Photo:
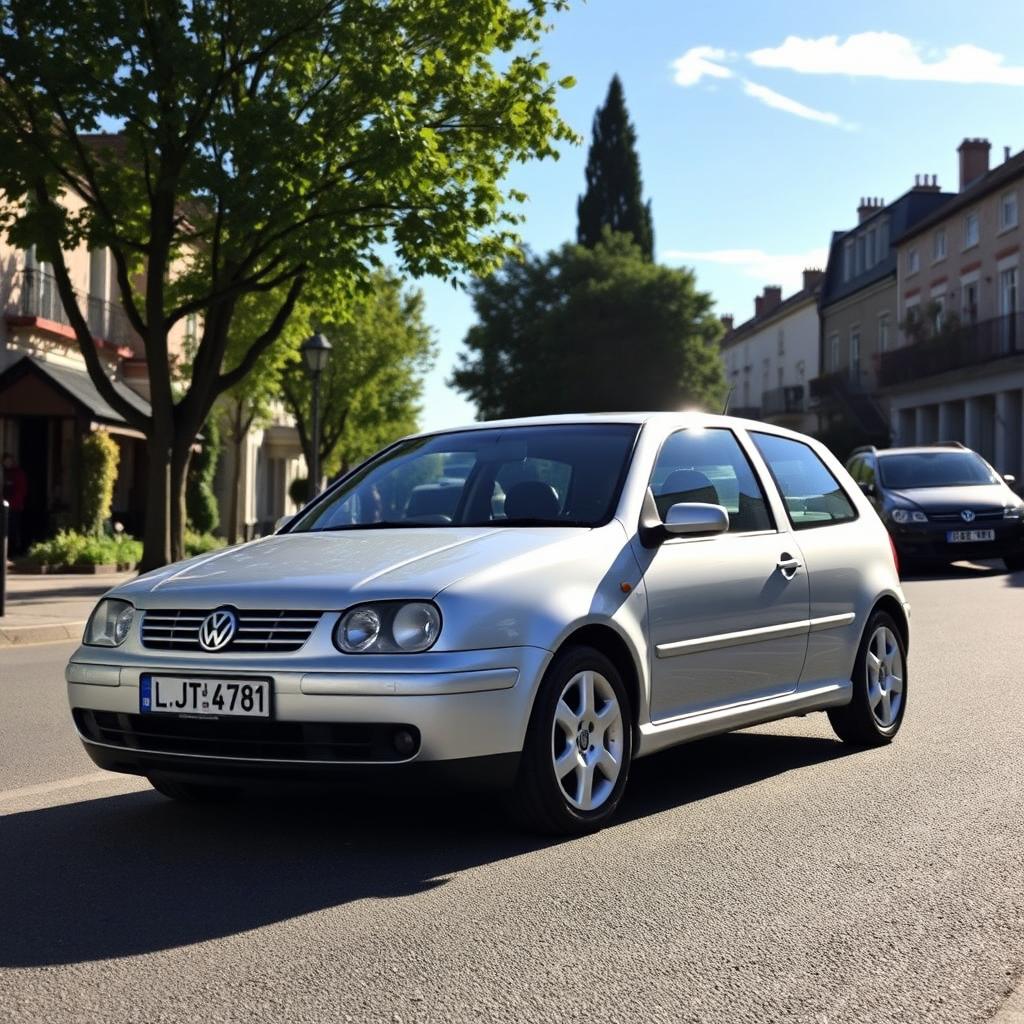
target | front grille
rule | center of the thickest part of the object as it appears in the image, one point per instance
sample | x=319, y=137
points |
x=955, y=517
x=251, y=739
x=178, y=630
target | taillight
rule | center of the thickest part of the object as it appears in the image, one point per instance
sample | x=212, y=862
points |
x=895, y=556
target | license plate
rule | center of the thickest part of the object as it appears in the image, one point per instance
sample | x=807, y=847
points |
x=966, y=536
x=180, y=695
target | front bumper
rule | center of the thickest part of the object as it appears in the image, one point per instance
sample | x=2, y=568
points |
x=927, y=541
x=467, y=709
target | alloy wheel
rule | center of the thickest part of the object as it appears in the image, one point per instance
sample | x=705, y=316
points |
x=587, y=740
x=884, y=665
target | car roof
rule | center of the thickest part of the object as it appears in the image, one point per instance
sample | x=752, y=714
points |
x=688, y=416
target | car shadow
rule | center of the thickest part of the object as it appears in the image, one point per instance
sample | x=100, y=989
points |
x=956, y=571
x=134, y=874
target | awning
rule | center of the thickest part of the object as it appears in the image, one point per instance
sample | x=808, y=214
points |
x=71, y=384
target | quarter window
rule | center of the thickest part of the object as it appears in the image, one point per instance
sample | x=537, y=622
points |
x=708, y=465
x=812, y=495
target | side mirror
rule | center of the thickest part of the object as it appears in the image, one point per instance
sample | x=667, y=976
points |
x=689, y=518
x=867, y=488
x=1010, y=478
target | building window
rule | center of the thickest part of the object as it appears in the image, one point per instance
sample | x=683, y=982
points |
x=859, y=264
x=855, y=355
x=781, y=375
x=782, y=342
x=848, y=261
x=969, y=302
x=883, y=238
x=1008, y=211
x=971, y=230
x=913, y=261
x=937, y=310
x=1008, y=291
x=939, y=245
x=912, y=316
x=871, y=258
x=833, y=352
x=883, y=332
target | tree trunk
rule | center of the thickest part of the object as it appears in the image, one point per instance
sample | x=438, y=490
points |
x=156, y=535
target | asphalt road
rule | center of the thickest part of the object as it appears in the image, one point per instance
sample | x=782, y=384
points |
x=768, y=875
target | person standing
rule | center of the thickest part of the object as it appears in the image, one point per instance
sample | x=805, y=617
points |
x=15, y=493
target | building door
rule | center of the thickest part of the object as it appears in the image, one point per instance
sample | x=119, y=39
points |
x=33, y=457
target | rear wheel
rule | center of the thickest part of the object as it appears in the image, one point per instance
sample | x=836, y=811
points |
x=874, y=715
x=192, y=792
x=578, y=746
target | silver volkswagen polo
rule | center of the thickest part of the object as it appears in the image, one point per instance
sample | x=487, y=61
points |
x=527, y=605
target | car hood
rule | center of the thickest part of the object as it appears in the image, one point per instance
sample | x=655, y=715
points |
x=953, y=499
x=322, y=571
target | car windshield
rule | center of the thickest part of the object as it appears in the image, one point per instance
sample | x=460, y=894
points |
x=933, y=469
x=565, y=475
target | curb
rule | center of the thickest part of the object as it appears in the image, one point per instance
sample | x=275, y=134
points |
x=51, y=632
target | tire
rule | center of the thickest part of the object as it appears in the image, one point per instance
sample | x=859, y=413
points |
x=192, y=792
x=1014, y=563
x=875, y=714
x=581, y=689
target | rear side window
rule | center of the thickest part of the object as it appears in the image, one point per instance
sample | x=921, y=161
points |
x=812, y=494
x=709, y=466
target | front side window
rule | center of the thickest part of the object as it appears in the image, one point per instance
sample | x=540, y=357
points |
x=933, y=469
x=565, y=475
x=708, y=465
x=812, y=495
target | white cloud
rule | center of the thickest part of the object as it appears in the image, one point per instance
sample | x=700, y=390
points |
x=785, y=269
x=771, y=98
x=888, y=55
x=699, y=62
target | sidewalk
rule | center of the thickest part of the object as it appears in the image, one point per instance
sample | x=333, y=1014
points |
x=41, y=609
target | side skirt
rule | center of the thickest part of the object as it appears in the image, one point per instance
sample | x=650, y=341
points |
x=656, y=736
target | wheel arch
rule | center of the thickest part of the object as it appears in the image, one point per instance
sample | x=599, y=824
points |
x=889, y=604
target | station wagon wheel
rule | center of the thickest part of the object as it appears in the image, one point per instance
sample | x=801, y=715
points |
x=575, y=762
x=875, y=712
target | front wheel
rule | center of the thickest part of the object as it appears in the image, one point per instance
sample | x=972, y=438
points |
x=874, y=715
x=578, y=746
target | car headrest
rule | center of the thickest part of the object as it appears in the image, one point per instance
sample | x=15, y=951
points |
x=531, y=499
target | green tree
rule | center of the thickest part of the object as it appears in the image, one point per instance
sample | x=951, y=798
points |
x=200, y=501
x=100, y=456
x=258, y=144
x=370, y=393
x=587, y=330
x=614, y=195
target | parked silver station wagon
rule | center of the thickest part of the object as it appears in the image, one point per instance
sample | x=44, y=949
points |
x=528, y=605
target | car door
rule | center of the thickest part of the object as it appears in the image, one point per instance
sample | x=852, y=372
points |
x=727, y=614
x=835, y=549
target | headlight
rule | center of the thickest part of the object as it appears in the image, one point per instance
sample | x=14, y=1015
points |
x=1013, y=512
x=388, y=627
x=109, y=624
x=903, y=515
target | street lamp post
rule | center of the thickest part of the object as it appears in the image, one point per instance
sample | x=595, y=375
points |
x=316, y=350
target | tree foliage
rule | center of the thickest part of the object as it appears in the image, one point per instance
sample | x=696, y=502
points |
x=381, y=348
x=200, y=501
x=100, y=456
x=258, y=145
x=586, y=330
x=614, y=194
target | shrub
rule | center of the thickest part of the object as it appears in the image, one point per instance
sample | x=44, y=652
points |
x=200, y=501
x=70, y=548
x=201, y=543
x=100, y=456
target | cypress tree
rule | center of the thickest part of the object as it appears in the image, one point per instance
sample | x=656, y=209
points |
x=614, y=195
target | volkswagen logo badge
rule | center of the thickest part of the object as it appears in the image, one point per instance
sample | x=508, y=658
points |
x=217, y=629
x=967, y=516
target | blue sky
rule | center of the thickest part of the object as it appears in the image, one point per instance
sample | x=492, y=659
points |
x=770, y=136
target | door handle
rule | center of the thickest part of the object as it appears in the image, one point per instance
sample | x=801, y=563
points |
x=788, y=565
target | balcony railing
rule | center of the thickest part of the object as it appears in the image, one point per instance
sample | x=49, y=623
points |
x=779, y=401
x=37, y=296
x=955, y=349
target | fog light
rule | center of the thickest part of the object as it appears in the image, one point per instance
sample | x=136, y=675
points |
x=404, y=742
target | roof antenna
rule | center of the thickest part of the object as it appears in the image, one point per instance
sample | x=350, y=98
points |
x=728, y=397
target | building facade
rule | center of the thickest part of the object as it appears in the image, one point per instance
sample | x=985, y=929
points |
x=957, y=371
x=769, y=358
x=859, y=316
x=48, y=402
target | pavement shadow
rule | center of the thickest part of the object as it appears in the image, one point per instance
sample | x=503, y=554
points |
x=956, y=571
x=135, y=874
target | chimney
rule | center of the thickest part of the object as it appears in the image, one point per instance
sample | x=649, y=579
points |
x=973, y=160
x=772, y=297
x=727, y=321
x=812, y=278
x=868, y=206
x=926, y=183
